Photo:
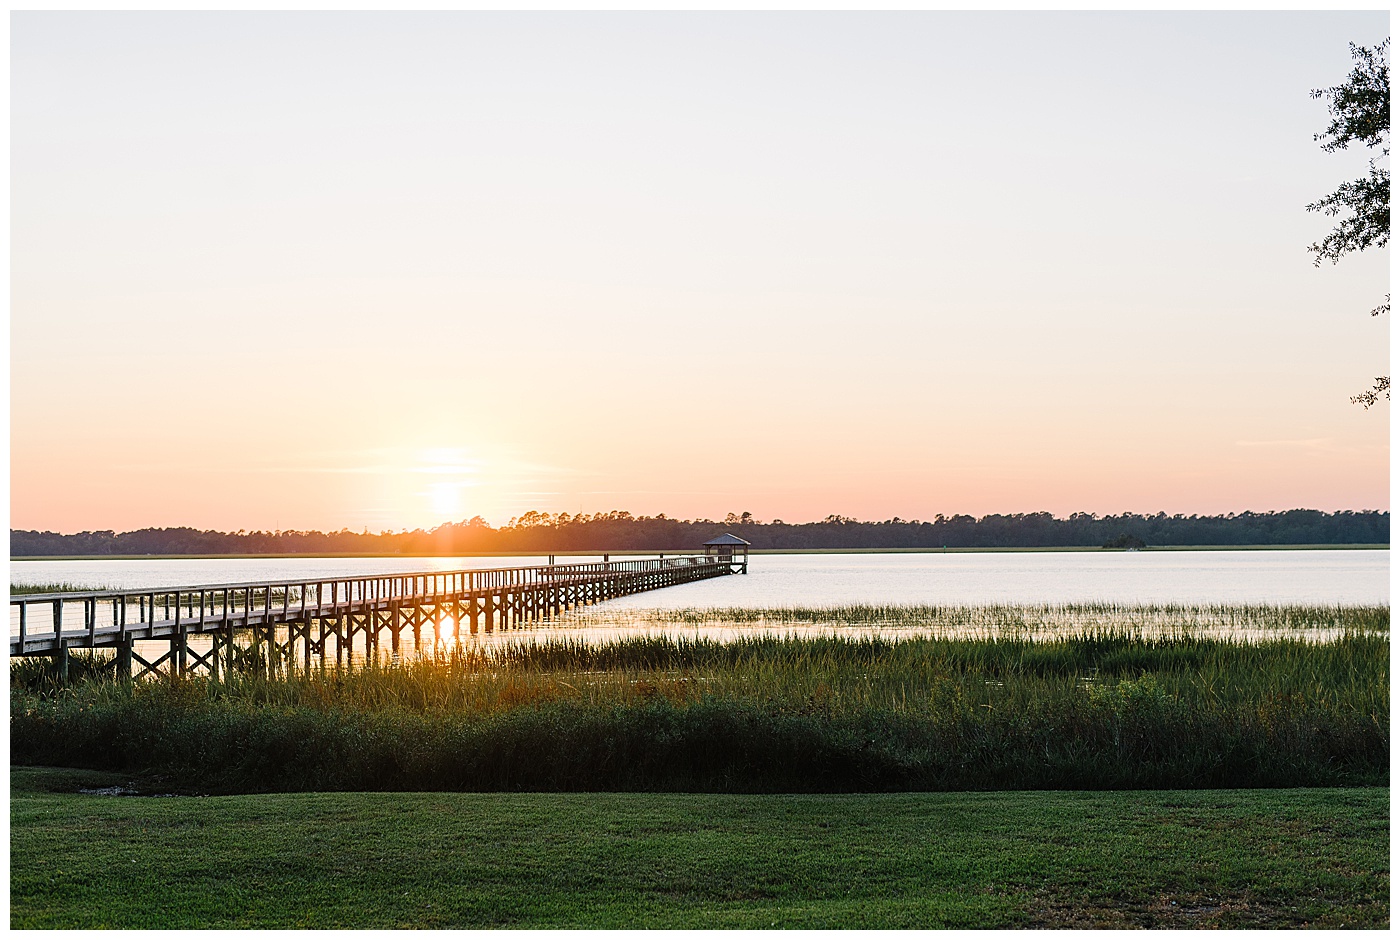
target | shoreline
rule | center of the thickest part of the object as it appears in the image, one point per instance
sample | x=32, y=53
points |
x=1343, y=546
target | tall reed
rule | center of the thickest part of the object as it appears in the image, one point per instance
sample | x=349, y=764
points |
x=1032, y=620
x=1089, y=708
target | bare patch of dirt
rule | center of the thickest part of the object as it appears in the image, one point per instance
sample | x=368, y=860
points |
x=1179, y=912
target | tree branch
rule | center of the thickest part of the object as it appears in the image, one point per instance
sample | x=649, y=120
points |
x=1372, y=395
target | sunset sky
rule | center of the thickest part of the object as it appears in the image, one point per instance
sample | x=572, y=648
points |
x=383, y=270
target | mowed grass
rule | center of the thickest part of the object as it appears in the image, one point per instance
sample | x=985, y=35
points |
x=1237, y=858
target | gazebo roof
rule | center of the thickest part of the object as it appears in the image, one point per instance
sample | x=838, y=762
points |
x=726, y=539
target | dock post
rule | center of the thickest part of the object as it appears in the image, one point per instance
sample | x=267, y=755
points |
x=254, y=658
x=274, y=652
x=124, y=658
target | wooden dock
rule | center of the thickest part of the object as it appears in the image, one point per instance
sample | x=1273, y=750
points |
x=272, y=626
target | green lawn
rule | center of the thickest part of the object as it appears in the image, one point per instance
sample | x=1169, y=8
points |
x=1227, y=858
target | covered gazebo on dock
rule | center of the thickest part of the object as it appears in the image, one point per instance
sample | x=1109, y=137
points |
x=729, y=549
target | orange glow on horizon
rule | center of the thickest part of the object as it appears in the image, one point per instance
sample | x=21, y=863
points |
x=772, y=272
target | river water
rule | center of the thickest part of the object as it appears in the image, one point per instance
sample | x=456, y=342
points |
x=1195, y=585
x=955, y=578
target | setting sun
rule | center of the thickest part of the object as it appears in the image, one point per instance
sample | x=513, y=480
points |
x=446, y=498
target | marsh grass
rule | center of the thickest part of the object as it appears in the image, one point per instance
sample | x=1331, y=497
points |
x=1091, y=707
x=277, y=595
x=1035, y=621
x=39, y=675
x=52, y=587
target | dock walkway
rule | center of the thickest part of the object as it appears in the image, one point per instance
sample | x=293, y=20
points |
x=281, y=623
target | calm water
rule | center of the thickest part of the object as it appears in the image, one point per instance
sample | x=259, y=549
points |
x=779, y=581
x=1197, y=577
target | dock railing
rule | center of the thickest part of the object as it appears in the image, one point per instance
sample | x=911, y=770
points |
x=475, y=599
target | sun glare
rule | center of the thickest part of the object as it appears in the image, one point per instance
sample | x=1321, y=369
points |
x=446, y=498
x=444, y=630
x=455, y=470
x=442, y=461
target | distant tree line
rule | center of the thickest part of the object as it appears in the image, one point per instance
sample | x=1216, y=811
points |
x=621, y=531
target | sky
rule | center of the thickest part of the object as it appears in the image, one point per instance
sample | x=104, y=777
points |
x=314, y=271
